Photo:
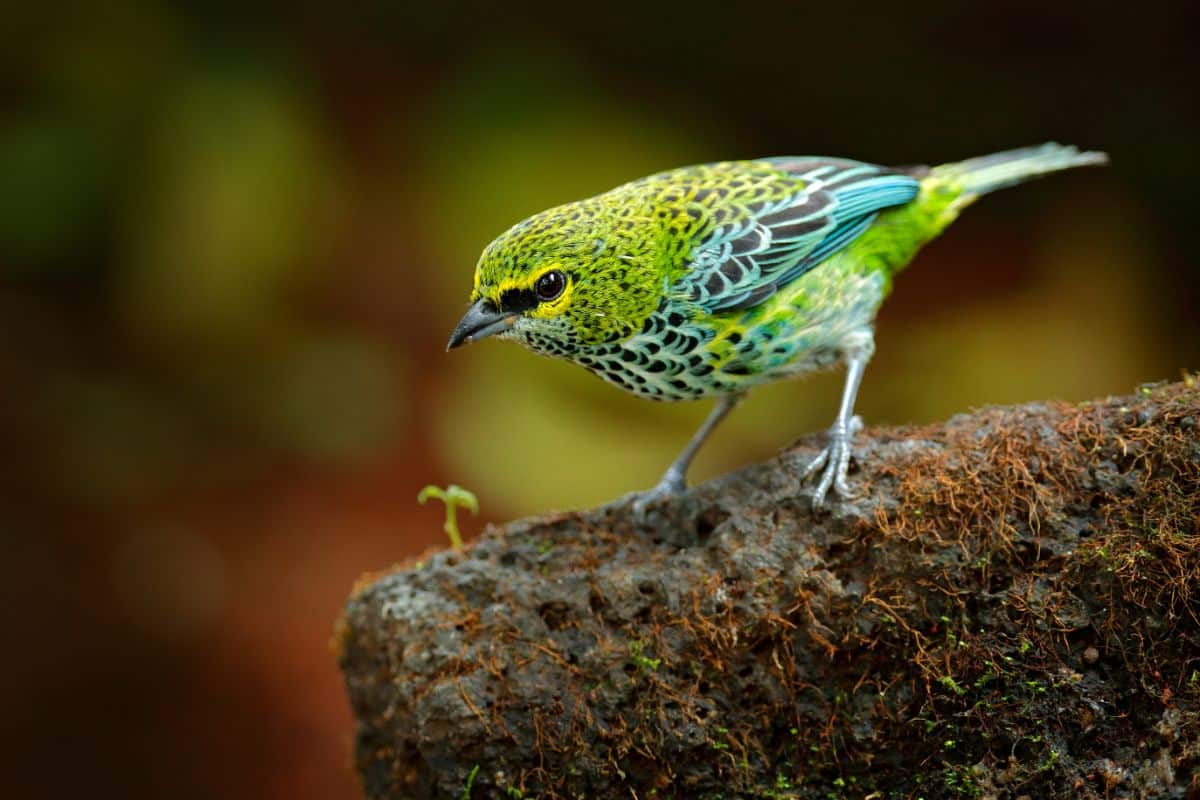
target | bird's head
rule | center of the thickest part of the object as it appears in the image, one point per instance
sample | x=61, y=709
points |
x=563, y=279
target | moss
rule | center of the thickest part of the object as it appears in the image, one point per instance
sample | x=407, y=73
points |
x=639, y=659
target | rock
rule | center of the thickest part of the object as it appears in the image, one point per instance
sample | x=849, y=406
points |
x=925, y=638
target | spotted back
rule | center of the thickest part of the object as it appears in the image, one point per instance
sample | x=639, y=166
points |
x=778, y=239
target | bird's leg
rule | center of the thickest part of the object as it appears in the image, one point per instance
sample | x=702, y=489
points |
x=674, y=480
x=835, y=458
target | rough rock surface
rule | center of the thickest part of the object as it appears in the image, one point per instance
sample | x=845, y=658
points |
x=1010, y=609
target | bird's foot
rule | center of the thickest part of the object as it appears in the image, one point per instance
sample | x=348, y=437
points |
x=671, y=485
x=835, y=459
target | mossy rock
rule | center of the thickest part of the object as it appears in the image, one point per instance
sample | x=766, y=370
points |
x=1010, y=608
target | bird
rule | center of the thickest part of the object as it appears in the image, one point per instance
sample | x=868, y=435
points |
x=709, y=280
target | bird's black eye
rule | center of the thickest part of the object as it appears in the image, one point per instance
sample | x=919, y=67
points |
x=551, y=285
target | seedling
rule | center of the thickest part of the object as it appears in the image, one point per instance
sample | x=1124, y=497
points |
x=453, y=497
x=466, y=792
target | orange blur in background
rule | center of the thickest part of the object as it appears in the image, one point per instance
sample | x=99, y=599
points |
x=233, y=245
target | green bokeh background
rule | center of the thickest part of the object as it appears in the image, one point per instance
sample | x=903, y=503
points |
x=233, y=243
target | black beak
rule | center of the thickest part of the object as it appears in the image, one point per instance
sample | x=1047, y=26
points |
x=480, y=321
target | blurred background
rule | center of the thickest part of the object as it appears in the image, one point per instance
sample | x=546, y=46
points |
x=233, y=245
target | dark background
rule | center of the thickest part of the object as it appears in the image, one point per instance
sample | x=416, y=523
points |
x=233, y=244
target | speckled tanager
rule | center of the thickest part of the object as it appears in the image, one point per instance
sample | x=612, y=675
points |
x=708, y=280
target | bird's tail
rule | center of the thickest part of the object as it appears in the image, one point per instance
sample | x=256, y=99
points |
x=948, y=189
x=978, y=176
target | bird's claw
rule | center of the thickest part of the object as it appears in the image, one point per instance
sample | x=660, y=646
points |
x=835, y=459
x=667, y=488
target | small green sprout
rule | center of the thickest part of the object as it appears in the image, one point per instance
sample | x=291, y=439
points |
x=453, y=496
x=466, y=792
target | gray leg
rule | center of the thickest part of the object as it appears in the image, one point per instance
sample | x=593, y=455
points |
x=835, y=458
x=674, y=480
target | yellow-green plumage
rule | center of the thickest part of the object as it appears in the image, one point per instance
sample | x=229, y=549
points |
x=709, y=280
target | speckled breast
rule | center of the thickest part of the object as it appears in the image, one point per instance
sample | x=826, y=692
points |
x=667, y=360
x=676, y=357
